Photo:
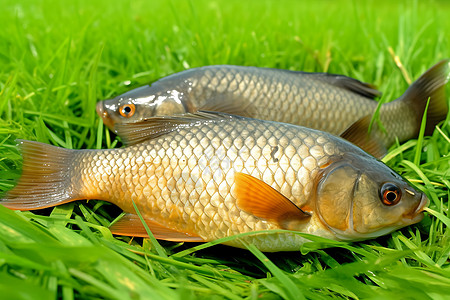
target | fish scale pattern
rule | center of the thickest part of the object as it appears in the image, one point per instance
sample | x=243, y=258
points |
x=397, y=130
x=325, y=102
x=185, y=178
x=278, y=95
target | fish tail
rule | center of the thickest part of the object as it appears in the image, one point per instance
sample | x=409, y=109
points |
x=431, y=85
x=45, y=179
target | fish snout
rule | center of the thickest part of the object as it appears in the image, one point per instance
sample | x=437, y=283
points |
x=422, y=204
x=101, y=111
x=416, y=214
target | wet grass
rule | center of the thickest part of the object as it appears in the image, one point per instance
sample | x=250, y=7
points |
x=58, y=58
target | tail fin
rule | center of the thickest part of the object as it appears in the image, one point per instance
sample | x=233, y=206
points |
x=430, y=85
x=45, y=178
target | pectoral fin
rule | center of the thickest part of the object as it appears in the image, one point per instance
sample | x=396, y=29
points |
x=230, y=105
x=261, y=200
x=131, y=225
x=154, y=127
x=358, y=134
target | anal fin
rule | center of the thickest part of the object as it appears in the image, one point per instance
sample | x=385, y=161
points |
x=131, y=225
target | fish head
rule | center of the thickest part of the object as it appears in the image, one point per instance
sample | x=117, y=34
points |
x=139, y=104
x=360, y=198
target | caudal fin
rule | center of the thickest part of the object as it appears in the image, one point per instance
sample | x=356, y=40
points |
x=45, y=179
x=430, y=85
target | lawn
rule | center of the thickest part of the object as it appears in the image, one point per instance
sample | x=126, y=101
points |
x=58, y=58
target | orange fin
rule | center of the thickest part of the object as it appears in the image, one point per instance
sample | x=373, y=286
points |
x=260, y=199
x=45, y=179
x=131, y=225
x=358, y=134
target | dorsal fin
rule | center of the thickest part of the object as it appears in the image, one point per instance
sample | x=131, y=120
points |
x=358, y=134
x=351, y=84
x=137, y=132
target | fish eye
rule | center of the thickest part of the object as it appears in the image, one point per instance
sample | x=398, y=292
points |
x=127, y=110
x=390, y=194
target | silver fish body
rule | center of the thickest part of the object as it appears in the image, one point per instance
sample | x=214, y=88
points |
x=327, y=102
x=270, y=94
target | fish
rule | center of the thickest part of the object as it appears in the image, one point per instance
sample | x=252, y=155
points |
x=336, y=104
x=206, y=176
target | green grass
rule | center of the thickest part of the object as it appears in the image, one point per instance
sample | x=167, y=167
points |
x=58, y=58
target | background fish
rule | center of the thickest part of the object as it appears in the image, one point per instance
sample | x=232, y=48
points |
x=206, y=176
x=333, y=103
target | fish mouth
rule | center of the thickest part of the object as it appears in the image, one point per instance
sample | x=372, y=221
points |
x=101, y=111
x=417, y=213
x=422, y=204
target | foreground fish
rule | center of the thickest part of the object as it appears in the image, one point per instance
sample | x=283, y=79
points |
x=333, y=103
x=205, y=176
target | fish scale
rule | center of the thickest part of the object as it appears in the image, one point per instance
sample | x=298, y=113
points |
x=193, y=169
x=280, y=85
x=333, y=103
x=206, y=176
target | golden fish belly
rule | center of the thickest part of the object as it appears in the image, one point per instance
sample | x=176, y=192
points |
x=185, y=180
